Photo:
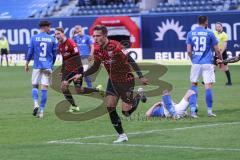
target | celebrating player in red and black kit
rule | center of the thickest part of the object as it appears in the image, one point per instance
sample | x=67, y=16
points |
x=71, y=68
x=121, y=80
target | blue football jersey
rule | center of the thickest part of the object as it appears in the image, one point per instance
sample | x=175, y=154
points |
x=84, y=44
x=202, y=42
x=43, y=49
x=158, y=111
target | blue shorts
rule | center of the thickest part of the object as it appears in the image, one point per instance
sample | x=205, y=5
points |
x=158, y=111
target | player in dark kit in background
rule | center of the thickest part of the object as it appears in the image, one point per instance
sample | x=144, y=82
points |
x=71, y=68
x=121, y=80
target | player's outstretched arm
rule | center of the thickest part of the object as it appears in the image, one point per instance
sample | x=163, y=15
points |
x=134, y=65
x=189, y=50
x=26, y=67
x=94, y=68
x=136, y=68
x=29, y=55
x=229, y=60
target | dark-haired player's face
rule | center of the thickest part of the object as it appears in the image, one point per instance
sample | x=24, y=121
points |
x=59, y=35
x=99, y=37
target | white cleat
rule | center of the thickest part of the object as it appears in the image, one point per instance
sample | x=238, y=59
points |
x=212, y=115
x=40, y=115
x=99, y=87
x=100, y=90
x=121, y=138
x=176, y=117
x=193, y=115
x=142, y=95
x=73, y=109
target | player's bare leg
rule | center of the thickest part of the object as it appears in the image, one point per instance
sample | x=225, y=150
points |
x=86, y=90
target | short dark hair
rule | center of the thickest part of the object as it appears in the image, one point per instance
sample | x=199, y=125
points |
x=60, y=29
x=44, y=24
x=101, y=28
x=202, y=19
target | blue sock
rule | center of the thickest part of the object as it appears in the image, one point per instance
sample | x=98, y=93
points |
x=43, y=100
x=193, y=103
x=88, y=81
x=168, y=104
x=195, y=89
x=209, y=98
x=35, y=95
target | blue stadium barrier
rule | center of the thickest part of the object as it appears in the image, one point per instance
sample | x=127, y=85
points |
x=162, y=35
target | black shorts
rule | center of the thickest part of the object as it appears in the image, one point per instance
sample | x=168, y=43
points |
x=77, y=83
x=4, y=51
x=122, y=90
x=224, y=56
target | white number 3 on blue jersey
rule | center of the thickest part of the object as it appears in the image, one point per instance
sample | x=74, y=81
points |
x=43, y=45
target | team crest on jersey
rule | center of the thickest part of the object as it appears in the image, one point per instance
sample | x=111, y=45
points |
x=83, y=41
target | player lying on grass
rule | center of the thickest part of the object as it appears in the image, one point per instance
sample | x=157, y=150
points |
x=71, y=68
x=167, y=108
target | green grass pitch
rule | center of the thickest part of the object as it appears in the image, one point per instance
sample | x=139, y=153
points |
x=24, y=137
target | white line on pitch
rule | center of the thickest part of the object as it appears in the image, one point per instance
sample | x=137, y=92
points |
x=147, y=132
x=153, y=146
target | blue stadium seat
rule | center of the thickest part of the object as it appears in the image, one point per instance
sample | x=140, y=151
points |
x=26, y=8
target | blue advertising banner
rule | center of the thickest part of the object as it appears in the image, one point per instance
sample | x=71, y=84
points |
x=165, y=34
x=18, y=32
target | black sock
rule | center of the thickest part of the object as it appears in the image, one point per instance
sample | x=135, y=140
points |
x=228, y=76
x=68, y=96
x=135, y=103
x=116, y=121
x=89, y=90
